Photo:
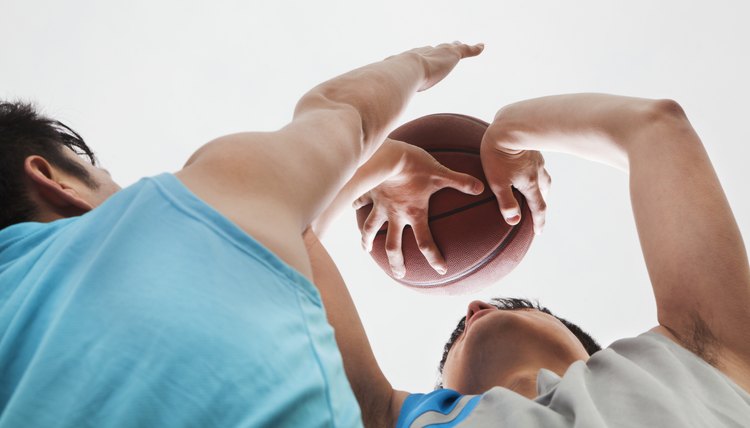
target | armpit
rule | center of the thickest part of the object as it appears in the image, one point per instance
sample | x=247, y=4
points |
x=696, y=337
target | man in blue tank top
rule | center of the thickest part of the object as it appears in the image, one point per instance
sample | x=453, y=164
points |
x=185, y=299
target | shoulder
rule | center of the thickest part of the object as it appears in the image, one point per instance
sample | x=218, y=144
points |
x=693, y=353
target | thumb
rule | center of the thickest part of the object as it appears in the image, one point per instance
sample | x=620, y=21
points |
x=508, y=205
x=362, y=201
x=462, y=182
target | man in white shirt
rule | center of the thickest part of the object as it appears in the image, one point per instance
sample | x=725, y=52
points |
x=524, y=367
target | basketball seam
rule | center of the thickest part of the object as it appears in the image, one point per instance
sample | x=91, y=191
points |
x=437, y=284
x=478, y=266
x=510, y=237
x=450, y=213
x=471, y=152
x=463, y=116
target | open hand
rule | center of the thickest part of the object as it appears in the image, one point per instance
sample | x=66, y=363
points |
x=403, y=199
x=439, y=60
x=523, y=169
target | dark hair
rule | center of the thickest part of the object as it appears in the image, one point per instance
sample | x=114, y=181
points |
x=510, y=304
x=23, y=133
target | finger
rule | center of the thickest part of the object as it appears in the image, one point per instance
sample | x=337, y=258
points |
x=545, y=182
x=467, y=51
x=538, y=208
x=462, y=182
x=428, y=247
x=370, y=228
x=508, y=205
x=362, y=201
x=393, y=249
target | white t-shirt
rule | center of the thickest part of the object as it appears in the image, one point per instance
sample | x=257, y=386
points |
x=646, y=381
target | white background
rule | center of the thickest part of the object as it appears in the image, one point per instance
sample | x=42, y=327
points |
x=146, y=83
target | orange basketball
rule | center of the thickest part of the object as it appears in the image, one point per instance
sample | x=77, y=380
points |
x=479, y=247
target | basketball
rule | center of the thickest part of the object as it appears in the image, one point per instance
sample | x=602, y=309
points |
x=479, y=247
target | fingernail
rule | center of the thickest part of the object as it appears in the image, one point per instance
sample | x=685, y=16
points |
x=441, y=270
x=513, y=219
x=478, y=188
x=398, y=274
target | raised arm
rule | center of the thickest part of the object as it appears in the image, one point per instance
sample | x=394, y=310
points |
x=694, y=253
x=273, y=184
x=398, y=171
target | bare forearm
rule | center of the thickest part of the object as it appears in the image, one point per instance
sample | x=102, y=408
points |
x=377, y=92
x=597, y=127
x=379, y=167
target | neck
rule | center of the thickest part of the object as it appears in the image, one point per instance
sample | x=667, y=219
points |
x=524, y=383
x=523, y=380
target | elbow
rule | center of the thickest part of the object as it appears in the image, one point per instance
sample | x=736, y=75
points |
x=651, y=125
x=663, y=121
x=664, y=111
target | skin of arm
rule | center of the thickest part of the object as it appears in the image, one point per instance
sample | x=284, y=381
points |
x=651, y=140
x=398, y=181
x=382, y=164
x=396, y=169
x=272, y=185
x=379, y=402
x=691, y=243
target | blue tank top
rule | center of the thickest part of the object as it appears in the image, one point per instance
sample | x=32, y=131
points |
x=156, y=310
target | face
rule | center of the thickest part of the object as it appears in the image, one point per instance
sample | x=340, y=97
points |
x=106, y=186
x=499, y=347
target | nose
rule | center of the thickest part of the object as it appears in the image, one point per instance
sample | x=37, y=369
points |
x=476, y=306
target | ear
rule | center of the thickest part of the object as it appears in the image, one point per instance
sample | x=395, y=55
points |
x=52, y=188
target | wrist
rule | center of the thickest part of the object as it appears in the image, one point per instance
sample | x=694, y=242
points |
x=501, y=138
x=386, y=162
x=507, y=149
x=390, y=159
x=379, y=167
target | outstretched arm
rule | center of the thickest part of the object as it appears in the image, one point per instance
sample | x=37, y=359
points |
x=694, y=253
x=397, y=169
x=273, y=184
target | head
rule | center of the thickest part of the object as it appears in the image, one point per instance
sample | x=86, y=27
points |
x=47, y=171
x=505, y=342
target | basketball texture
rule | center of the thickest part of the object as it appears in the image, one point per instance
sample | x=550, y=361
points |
x=479, y=247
